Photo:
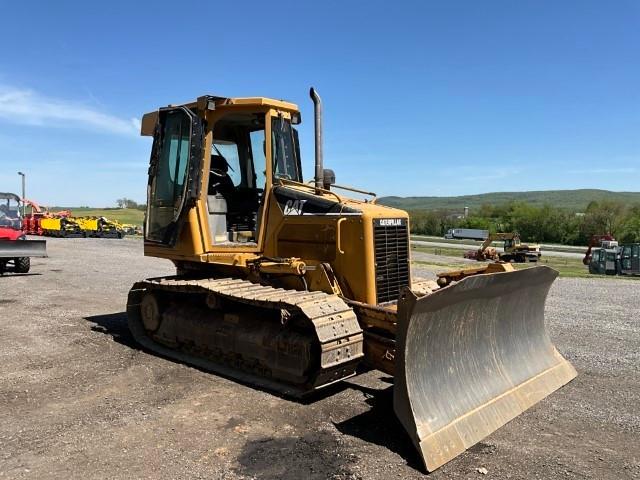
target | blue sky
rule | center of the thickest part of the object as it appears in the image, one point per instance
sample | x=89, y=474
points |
x=421, y=98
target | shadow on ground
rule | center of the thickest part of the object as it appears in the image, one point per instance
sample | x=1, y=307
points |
x=308, y=456
x=316, y=455
x=14, y=274
x=380, y=426
x=115, y=324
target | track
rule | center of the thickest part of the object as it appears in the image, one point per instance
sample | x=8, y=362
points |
x=273, y=361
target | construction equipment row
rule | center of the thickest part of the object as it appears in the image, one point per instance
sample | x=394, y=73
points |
x=63, y=224
x=605, y=256
x=513, y=249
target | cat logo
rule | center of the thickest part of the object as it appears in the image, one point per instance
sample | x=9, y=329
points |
x=294, y=207
x=391, y=222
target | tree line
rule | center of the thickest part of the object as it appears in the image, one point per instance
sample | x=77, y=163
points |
x=547, y=223
x=128, y=203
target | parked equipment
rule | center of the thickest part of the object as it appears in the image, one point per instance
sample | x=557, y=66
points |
x=100, y=227
x=604, y=261
x=629, y=259
x=467, y=233
x=601, y=241
x=605, y=256
x=292, y=286
x=52, y=224
x=57, y=225
x=31, y=221
x=131, y=229
x=513, y=249
x=62, y=224
x=15, y=249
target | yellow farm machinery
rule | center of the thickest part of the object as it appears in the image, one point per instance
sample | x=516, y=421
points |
x=100, y=227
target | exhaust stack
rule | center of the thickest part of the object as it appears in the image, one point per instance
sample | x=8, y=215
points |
x=317, y=115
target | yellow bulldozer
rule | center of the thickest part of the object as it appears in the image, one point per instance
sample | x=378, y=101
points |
x=292, y=286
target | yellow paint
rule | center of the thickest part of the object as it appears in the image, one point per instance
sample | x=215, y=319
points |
x=351, y=257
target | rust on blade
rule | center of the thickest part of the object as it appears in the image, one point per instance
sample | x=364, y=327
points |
x=471, y=357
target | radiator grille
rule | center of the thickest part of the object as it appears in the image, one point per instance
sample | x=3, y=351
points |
x=391, y=238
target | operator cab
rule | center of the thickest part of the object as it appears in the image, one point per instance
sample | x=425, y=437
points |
x=236, y=177
x=223, y=151
x=238, y=170
x=510, y=243
x=10, y=211
x=604, y=261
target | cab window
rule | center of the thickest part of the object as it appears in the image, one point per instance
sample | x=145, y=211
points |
x=259, y=157
x=236, y=177
x=286, y=165
x=229, y=151
x=169, y=165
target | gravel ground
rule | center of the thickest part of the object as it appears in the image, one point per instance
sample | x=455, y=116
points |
x=78, y=399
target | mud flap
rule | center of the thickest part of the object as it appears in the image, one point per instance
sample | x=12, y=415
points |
x=23, y=248
x=471, y=357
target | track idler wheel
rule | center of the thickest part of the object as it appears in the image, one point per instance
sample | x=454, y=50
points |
x=150, y=312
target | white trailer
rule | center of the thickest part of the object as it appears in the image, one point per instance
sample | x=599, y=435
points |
x=467, y=233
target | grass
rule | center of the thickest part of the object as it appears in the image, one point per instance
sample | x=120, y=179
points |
x=122, y=215
x=449, y=252
x=568, y=267
x=556, y=247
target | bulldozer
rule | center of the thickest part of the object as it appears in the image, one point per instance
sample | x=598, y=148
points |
x=291, y=286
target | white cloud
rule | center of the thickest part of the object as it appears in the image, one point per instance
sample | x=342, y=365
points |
x=27, y=107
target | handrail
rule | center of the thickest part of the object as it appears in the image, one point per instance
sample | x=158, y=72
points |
x=357, y=190
x=338, y=236
x=310, y=187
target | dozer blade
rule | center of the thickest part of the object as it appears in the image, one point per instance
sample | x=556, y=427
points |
x=23, y=248
x=471, y=357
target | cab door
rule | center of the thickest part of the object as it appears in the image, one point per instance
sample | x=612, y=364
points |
x=174, y=174
x=635, y=258
x=625, y=259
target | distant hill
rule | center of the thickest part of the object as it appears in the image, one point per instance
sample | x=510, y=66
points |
x=570, y=199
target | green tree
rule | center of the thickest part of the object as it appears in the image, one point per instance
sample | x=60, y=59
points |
x=604, y=217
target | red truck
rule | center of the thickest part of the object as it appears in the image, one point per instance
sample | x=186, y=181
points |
x=15, y=250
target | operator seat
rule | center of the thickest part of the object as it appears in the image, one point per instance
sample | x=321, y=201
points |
x=219, y=179
x=219, y=195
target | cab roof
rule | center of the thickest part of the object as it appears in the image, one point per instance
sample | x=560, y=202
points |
x=213, y=102
x=9, y=196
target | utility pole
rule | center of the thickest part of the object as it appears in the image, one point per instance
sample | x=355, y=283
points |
x=24, y=207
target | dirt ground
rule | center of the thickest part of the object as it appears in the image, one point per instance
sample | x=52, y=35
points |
x=78, y=399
